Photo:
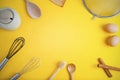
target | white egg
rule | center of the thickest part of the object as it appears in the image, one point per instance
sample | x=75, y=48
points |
x=111, y=28
x=113, y=40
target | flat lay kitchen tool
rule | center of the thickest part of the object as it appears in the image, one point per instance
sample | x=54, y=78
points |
x=30, y=66
x=9, y=19
x=33, y=10
x=71, y=69
x=15, y=47
x=60, y=66
x=102, y=8
x=63, y=33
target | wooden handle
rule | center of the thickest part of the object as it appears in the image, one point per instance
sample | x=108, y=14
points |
x=71, y=76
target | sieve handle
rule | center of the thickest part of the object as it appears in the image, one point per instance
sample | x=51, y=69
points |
x=16, y=76
x=2, y=64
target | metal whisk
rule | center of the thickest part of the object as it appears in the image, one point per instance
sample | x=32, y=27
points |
x=15, y=47
x=31, y=65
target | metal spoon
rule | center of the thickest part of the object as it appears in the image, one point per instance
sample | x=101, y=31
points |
x=33, y=10
x=71, y=69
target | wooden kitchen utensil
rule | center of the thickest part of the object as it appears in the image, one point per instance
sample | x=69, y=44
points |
x=59, y=2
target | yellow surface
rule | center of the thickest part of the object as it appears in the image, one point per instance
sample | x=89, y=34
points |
x=60, y=34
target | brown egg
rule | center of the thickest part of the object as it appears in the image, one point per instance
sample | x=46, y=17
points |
x=113, y=40
x=111, y=28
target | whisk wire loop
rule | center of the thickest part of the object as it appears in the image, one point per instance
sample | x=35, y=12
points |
x=31, y=65
x=16, y=46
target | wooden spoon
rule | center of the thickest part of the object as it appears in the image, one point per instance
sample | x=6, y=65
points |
x=71, y=69
x=33, y=10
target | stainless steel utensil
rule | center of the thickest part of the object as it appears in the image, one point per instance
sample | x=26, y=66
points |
x=15, y=47
x=102, y=8
x=31, y=65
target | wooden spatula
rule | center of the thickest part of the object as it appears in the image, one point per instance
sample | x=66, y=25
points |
x=59, y=2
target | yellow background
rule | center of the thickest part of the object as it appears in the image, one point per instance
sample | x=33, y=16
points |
x=60, y=34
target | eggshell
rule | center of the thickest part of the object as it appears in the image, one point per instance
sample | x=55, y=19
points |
x=111, y=28
x=113, y=40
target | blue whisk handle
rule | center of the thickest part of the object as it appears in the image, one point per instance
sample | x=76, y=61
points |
x=2, y=64
x=15, y=77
